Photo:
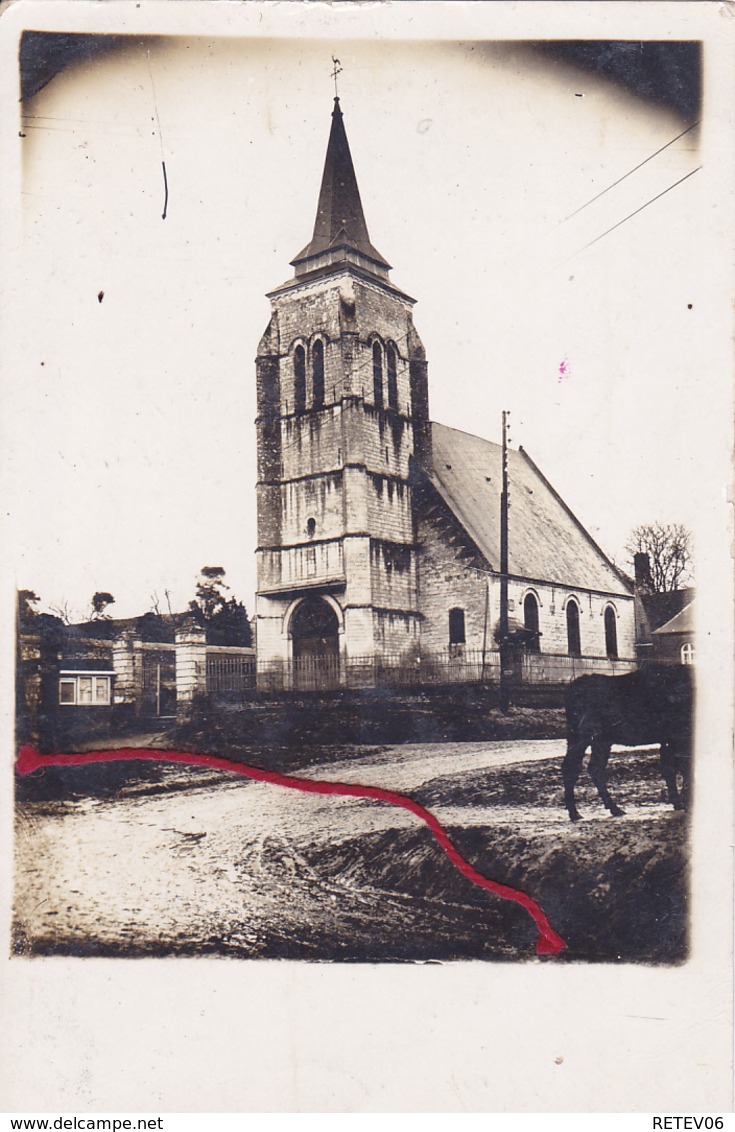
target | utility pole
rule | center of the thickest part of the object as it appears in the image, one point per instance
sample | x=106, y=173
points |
x=505, y=673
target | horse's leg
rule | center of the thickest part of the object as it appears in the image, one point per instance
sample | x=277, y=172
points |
x=685, y=764
x=670, y=764
x=598, y=774
x=570, y=769
x=686, y=785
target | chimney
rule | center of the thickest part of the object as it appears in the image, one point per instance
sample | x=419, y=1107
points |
x=642, y=566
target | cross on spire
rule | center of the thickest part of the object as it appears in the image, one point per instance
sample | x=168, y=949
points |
x=336, y=69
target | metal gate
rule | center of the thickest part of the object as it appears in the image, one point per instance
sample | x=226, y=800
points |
x=159, y=683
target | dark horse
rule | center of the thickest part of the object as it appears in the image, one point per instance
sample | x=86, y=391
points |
x=652, y=705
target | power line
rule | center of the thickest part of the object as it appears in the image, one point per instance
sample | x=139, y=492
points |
x=628, y=174
x=631, y=215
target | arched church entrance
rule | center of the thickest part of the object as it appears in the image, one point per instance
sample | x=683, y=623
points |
x=315, y=639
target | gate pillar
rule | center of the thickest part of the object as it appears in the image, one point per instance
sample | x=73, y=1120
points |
x=191, y=664
x=127, y=663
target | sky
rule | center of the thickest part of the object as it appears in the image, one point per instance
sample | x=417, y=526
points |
x=133, y=395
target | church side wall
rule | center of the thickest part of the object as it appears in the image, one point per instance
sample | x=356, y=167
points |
x=448, y=581
x=553, y=617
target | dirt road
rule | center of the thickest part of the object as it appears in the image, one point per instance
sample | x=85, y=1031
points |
x=200, y=862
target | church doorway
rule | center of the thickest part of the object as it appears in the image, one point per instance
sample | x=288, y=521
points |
x=315, y=638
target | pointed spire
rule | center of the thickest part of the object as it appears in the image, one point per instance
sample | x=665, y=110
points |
x=340, y=221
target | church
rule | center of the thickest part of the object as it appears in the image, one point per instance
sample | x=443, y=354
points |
x=378, y=555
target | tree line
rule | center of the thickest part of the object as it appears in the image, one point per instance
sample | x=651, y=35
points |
x=223, y=617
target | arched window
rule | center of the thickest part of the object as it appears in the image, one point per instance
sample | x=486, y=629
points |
x=456, y=627
x=574, y=645
x=299, y=379
x=390, y=355
x=310, y=527
x=530, y=621
x=378, y=375
x=317, y=373
x=687, y=653
x=611, y=633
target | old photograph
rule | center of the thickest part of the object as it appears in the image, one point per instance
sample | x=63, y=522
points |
x=363, y=386
x=366, y=589
x=355, y=454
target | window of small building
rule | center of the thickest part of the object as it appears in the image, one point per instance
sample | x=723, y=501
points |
x=67, y=691
x=611, y=633
x=456, y=627
x=299, y=379
x=392, y=364
x=378, y=374
x=310, y=527
x=317, y=373
x=574, y=644
x=530, y=621
x=85, y=690
x=687, y=653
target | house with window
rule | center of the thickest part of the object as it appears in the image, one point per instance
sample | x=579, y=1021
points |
x=378, y=551
x=79, y=681
x=673, y=642
x=664, y=621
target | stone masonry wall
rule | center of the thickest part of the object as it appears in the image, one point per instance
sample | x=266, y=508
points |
x=337, y=499
x=446, y=581
x=345, y=312
x=396, y=634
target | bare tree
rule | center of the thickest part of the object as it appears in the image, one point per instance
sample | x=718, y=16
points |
x=64, y=612
x=669, y=550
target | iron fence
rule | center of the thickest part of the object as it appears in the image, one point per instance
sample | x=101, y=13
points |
x=558, y=668
x=230, y=674
x=447, y=666
x=316, y=673
x=426, y=669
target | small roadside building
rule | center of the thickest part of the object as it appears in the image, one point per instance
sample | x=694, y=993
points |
x=75, y=682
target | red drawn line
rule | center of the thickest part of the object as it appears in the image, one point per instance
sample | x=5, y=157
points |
x=549, y=943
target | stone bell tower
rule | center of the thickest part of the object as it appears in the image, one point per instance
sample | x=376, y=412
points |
x=342, y=420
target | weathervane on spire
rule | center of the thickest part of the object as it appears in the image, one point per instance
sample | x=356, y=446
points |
x=335, y=71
